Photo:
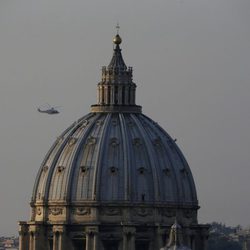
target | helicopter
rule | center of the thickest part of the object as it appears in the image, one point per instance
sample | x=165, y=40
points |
x=50, y=110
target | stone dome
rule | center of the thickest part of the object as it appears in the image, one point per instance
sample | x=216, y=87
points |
x=115, y=153
x=113, y=180
x=115, y=157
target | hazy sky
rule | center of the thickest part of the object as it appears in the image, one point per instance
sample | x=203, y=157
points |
x=191, y=62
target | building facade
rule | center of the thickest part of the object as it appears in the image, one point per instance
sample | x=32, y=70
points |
x=114, y=180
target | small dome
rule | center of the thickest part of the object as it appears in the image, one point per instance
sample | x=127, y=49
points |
x=117, y=40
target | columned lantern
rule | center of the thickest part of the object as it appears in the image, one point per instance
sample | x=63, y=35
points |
x=113, y=180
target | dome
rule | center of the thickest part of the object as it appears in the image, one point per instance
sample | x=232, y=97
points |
x=115, y=153
x=113, y=180
x=115, y=157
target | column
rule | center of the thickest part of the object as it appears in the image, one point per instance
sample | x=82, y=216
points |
x=159, y=240
x=33, y=235
x=132, y=239
x=132, y=95
x=55, y=240
x=106, y=94
x=102, y=95
x=36, y=239
x=125, y=241
x=126, y=95
x=112, y=93
x=194, y=241
x=119, y=95
x=31, y=241
x=99, y=95
x=204, y=238
x=92, y=240
x=204, y=242
x=96, y=241
x=87, y=241
x=23, y=236
x=58, y=237
x=108, y=97
x=188, y=237
x=60, y=241
x=129, y=238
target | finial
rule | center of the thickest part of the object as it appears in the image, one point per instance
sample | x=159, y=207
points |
x=117, y=39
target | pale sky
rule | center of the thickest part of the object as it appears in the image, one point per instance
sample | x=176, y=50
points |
x=191, y=62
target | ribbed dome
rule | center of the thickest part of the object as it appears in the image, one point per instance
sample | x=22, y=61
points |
x=115, y=157
x=113, y=180
x=115, y=164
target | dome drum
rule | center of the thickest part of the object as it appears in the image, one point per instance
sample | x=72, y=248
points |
x=136, y=214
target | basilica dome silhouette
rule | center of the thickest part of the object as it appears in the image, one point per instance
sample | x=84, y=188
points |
x=113, y=180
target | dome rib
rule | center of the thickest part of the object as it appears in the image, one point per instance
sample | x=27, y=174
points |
x=167, y=150
x=69, y=134
x=127, y=170
x=98, y=167
x=190, y=180
x=173, y=165
x=50, y=188
x=73, y=178
x=165, y=138
x=160, y=158
x=53, y=166
x=150, y=153
x=55, y=144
